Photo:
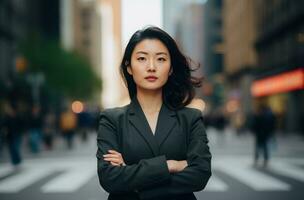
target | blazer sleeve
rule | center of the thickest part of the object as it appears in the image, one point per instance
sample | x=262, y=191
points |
x=196, y=175
x=117, y=179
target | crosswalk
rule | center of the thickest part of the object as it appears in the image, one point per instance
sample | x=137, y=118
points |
x=241, y=169
x=74, y=173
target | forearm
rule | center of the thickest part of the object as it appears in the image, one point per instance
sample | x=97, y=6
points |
x=116, y=159
x=175, y=166
x=191, y=179
x=146, y=173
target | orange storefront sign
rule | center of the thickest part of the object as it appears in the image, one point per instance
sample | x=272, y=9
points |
x=288, y=81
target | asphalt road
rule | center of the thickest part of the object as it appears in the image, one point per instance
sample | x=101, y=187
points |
x=65, y=175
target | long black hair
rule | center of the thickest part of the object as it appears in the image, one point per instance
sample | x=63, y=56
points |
x=179, y=88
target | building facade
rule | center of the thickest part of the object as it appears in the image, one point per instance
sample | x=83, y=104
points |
x=280, y=50
x=18, y=20
x=240, y=58
x=93, y=29
x=263, y=62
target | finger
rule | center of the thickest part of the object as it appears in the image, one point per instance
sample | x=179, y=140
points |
x=113, y=160
x=111, y=156
x=114, y=152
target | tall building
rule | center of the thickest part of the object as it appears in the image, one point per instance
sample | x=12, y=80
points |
x=187, y=30
x=213, y=56
x=240, y=58
x=198, y=31
x=239, y=33
x=263, y=58
x=214, y=48
x=111, y=48
x=80, y=31
x=92, y=28
x=280, y=69
x=12, y=31
x=83, y=24
x=18, y=19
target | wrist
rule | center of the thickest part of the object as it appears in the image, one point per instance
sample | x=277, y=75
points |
x=175, y=166
x=169, y=165
x=172, y=166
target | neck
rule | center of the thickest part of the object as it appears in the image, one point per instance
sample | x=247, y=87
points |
x=150, y=101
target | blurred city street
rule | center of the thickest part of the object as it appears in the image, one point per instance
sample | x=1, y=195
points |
x=72, y=174
x=62, y=62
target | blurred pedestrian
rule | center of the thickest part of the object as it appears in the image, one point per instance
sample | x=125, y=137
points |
x=83, y=125
x=219, y=121
x=263, y=126
x=68, y=124
x=16, y=117
x=2, y=127
x=35, y=132
x=13, y=122
x=49, y=129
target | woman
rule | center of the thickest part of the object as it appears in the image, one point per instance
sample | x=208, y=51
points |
x=155, y=147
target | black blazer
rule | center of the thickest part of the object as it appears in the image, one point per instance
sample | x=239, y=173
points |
x=179, y=135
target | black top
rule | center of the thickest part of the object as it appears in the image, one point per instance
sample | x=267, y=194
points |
x=179, y=135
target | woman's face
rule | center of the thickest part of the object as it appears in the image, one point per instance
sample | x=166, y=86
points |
x=150, y=64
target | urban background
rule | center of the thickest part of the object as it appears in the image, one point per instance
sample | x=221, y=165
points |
x=59, y=64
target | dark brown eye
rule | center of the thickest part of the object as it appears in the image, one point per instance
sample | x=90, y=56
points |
x=141, y=58
x=162, y=59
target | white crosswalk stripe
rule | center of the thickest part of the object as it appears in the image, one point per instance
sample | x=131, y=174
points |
x=216, y=185
x=5, y=170
x=254, y=179
x=20, y=181
x=240, y=168
x=287, y=170
x=75, y=173
x=70, y=181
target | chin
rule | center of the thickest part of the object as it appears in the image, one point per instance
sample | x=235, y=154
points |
x=152, y=87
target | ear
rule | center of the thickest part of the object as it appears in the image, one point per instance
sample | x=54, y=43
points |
x=129, y=69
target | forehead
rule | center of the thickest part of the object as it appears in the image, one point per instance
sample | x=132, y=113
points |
x=151, y=46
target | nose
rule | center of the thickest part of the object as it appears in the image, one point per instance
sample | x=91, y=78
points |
x=151, y=66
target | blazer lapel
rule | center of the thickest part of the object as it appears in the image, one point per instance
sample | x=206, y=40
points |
x=166, y=122
x=138, y=119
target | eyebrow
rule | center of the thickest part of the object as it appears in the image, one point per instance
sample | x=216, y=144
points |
x=158, y=53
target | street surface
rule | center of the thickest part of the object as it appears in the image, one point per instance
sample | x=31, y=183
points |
x=71, y=174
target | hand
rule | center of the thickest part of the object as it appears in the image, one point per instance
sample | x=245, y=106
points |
x=115, y=158
x=175, y=166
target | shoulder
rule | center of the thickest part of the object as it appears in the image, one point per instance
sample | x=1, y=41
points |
x=197, y=103
x=189, y=114
x=190, y=111
x=113, y=114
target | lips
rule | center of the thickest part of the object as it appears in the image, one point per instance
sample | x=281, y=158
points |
x=151, y=78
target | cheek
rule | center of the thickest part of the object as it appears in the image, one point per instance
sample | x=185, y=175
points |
x=137, y=75
x=165, y=79
x=165, y=71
